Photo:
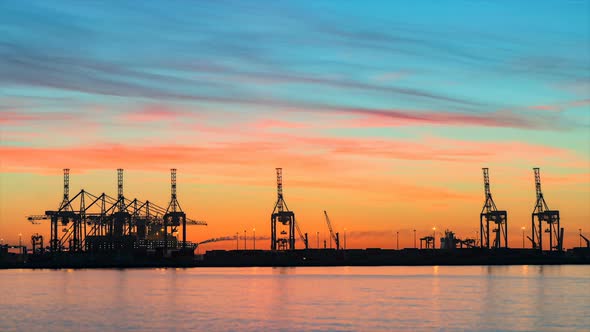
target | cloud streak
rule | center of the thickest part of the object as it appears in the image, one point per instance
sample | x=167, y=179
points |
x=316, y=152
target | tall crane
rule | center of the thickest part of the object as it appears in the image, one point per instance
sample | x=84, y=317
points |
x=65, y=204
x=281, y=214
x=121, y=221
x=174, y=216
x=62, y=216
x=490, y=212
x=542, y=213
x=333, y=235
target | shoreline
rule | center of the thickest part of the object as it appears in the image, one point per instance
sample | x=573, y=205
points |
x=309, y=257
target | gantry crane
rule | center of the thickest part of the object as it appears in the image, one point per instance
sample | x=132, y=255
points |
x=107, y=223
x=544, y=214
x=283, y=215
x=333, y=235
x=121, y=223
x=174, y=215
x=489, y=212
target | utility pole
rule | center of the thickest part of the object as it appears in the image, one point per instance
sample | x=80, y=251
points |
x=414, y=239
x=345, y=238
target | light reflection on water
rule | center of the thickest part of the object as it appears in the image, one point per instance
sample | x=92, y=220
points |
x=487, y=298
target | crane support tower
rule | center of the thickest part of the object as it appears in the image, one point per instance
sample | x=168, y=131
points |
x=174, y=216
x=64, y=215
x=542, y=213
x=333, y=235
x=121, y=221
x=490, y=213
x=281, y=214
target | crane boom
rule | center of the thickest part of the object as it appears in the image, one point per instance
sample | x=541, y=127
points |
x=332, y=234
x=196, y=222
x=301, y=235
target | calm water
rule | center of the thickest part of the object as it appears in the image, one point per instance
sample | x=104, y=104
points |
x=515, y=298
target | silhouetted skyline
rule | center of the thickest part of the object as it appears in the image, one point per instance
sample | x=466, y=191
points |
x=381, y=114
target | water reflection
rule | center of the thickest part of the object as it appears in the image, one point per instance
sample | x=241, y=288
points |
x=515, y=298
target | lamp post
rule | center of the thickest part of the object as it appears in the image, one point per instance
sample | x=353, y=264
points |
x=318, y=238
x=244, y=239
x=397, y=240
x=237, y=241
x=414, y=239
x=523, y=236
x=345, y=239
x=254, y=238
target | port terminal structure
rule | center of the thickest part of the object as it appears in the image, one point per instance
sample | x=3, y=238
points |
x=542, y=214
x=104, y=224
x=102, y=231
x=91, y=223
x=490, y=213
x=282, y=216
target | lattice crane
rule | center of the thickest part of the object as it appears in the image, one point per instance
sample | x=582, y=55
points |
x=490, y=212
x=542, y=213
x=333, y=235
x=281, y=214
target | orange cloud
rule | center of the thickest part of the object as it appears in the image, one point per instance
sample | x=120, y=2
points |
x=306, y=151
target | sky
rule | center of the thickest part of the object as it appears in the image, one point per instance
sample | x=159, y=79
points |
x=382, y=113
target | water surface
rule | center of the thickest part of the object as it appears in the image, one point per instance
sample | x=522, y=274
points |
x=510, y=298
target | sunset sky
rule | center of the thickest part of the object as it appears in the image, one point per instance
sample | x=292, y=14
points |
x=382, y=113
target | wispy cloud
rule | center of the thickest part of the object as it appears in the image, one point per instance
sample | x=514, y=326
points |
x=156, y=113
x=308, y=152
x=14, y=117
